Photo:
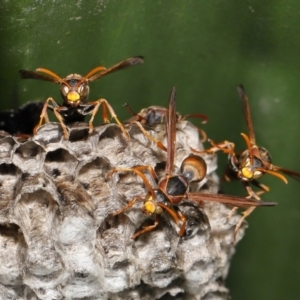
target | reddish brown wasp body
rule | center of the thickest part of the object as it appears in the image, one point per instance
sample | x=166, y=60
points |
x=157, y=115
x=75, y=90
x=173, y=189
x=252, y=163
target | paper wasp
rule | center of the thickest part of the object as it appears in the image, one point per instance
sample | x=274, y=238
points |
x=252, y=163
x=153, y=115
x=172, y=189
x=74, y=90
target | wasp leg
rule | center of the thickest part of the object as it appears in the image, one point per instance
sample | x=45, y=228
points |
x=245, y=213
x=251, y=193
x=129, y=205
x=147, y=228
x=151, y=138
x=44, y=116
x=203, y=134
x=138, y=171
x=177, y=216
x=201, y=131
x=105, y=106
x=61, y=120
x=183, y=226
x=264, y=188
x=225, y=146
x=149, y=169
x=232, y=212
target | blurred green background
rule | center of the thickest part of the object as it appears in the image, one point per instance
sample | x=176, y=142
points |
x=205, y=48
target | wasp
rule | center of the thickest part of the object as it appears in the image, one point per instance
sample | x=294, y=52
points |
x=153, y=115
x=74, y=90
x=252, y=163
x=171, y=189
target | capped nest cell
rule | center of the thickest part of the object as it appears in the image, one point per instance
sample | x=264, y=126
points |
x=59, y=238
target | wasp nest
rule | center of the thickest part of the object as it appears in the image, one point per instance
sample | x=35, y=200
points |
x=60, y=239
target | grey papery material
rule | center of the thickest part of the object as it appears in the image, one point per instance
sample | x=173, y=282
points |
x=59, y=240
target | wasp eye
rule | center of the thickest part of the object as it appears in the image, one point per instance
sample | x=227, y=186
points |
x=257, y=174
x=81, y=88
x=65, y=89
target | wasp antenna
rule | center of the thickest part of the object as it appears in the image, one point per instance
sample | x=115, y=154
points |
x=50, y=73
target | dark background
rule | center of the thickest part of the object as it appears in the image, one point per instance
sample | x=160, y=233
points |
x=205, y=48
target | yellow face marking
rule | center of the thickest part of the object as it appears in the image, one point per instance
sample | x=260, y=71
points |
x=73, y=96
x=247, y=173
x=149, y=207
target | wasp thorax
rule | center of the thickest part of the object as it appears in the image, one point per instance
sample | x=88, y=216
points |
x=193, y=168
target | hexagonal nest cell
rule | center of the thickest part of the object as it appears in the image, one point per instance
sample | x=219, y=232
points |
x=60, y=236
